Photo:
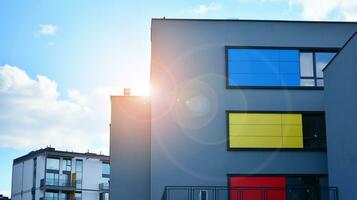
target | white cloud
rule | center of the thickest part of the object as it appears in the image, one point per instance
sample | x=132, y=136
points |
x=47, y=29
x=34, y=114
x=322, y=9
x=203, y=9
x=6, y=193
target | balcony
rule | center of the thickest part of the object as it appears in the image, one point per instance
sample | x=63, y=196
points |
x=248, y=193
x=57, y=184
x=104, y=187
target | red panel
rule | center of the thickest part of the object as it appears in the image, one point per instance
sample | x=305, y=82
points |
x=250, y=188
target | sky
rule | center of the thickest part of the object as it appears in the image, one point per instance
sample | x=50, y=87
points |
x=61, y=60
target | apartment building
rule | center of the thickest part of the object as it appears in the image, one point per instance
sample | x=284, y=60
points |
x=240, y=110
x=49, y=174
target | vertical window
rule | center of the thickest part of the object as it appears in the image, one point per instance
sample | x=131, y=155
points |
x=105, y=168
x=79, y=173
x=66, y=164
x=34, y=178
x=53, y=163
x=203, y=195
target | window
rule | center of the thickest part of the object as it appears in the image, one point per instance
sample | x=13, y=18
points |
x=203, y=195
x=52, y=178
x=106, y=169
x=311, y=66
x=104, y=196
x=66, y=164
x=53, y=163
x=79, y=173
x=78, y=196
x=275, y=67
x=65, y=196
x=51, y=195
x=276, y=130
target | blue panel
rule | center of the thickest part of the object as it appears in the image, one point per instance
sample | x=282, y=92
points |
x=263, y=67
x=289, y=80
x=289, y=55
x=253, y=54
x=253, y=67
x=289, y=68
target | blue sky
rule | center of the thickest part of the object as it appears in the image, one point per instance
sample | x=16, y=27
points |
x=85, y=50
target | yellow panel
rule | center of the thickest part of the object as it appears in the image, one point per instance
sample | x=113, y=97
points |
x=292, y=130
x=254, y=118
x=293, y=142
x=295, y=119
x=255, y=130
x=255, y=142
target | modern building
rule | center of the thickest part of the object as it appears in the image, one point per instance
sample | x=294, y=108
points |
x=49, y=174
x=240, y=109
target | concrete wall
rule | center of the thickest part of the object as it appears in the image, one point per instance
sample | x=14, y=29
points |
x=189, y=100
x=130, y=148
x=341, y=118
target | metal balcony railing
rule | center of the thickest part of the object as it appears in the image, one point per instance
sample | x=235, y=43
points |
x=104, y=186
x=56, y=182
x=249, y=193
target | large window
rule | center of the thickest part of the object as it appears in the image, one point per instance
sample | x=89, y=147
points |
x=262, y=130
x=275, y=67
x=53, y=163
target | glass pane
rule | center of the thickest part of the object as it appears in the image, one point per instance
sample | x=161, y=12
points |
x=307, y=82
x=67, y=165
x=53, y=163
x=79, y=165
x=306, y=64
x=320, y=82
x=322, y=59
x=105, y=168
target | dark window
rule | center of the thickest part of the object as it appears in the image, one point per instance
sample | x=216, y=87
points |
x=314, y=130
x=203, y=195
x=53, y=163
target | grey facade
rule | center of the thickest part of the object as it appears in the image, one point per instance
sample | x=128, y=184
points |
x=341, y=117
x=190, y=100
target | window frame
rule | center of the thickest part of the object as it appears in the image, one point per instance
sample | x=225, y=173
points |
x=270, y=149
x=301, y=49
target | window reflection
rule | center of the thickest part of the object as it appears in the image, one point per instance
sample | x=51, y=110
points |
x=306, y=64
x=53, y=163
x=322, y=59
